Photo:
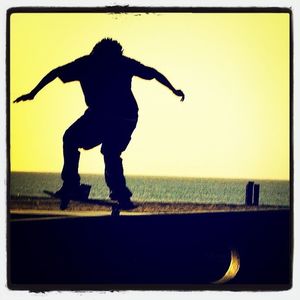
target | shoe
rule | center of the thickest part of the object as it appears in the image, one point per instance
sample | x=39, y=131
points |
x=78, y=192
x=64, y=194
x=85, y=190
x=123, y=193
x=126, y=204
x=123, y=197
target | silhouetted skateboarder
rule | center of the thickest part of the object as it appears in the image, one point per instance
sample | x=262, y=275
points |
x=105, y=76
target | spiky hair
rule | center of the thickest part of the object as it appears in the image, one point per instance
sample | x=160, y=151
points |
x=108, y=46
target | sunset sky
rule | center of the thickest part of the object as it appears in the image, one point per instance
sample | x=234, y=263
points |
x=232, y=67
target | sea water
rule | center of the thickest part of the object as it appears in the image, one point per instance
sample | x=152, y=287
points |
x=160, y=189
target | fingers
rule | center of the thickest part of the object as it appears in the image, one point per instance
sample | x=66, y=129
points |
x=23, y=98
x=18, y=100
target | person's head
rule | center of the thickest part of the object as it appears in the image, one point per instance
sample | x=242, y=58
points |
x=107, y=48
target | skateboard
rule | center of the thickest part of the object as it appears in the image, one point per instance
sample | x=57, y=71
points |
x=84, y=198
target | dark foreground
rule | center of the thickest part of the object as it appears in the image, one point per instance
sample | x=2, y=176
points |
x=166, y=252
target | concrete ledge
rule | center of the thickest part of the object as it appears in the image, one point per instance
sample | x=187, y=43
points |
x=166, y=252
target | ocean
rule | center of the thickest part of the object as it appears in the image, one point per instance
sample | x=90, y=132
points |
x=160, y=189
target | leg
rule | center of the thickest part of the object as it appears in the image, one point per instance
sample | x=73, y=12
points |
x=69, y=173
x=115, y=142
x=114, y=176
x=82, y=134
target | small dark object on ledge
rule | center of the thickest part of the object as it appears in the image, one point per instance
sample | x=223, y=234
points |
x=252, y=194
x=249, y=193
x=256, y=195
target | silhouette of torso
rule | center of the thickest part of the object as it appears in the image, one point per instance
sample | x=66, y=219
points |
x=106, y=84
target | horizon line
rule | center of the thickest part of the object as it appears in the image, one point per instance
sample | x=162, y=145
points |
x=164, y=176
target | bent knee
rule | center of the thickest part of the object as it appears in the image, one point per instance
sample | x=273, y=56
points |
x=69, y=138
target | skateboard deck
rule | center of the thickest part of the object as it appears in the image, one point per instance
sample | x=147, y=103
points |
x=64, y=202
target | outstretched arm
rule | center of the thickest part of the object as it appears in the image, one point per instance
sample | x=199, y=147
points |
x=151, y=73
x=47, y=79
x=163, y=80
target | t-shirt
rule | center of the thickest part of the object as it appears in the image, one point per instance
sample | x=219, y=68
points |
x=106, y=84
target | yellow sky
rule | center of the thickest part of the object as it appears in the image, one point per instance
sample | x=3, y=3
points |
x=233, y=68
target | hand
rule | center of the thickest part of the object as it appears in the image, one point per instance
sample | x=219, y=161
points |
x=180, y=94
x=25, y=97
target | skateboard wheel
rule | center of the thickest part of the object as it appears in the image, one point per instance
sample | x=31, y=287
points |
x=64, y=204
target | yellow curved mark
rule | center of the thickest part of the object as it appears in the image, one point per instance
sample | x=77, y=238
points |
x=232, y=269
